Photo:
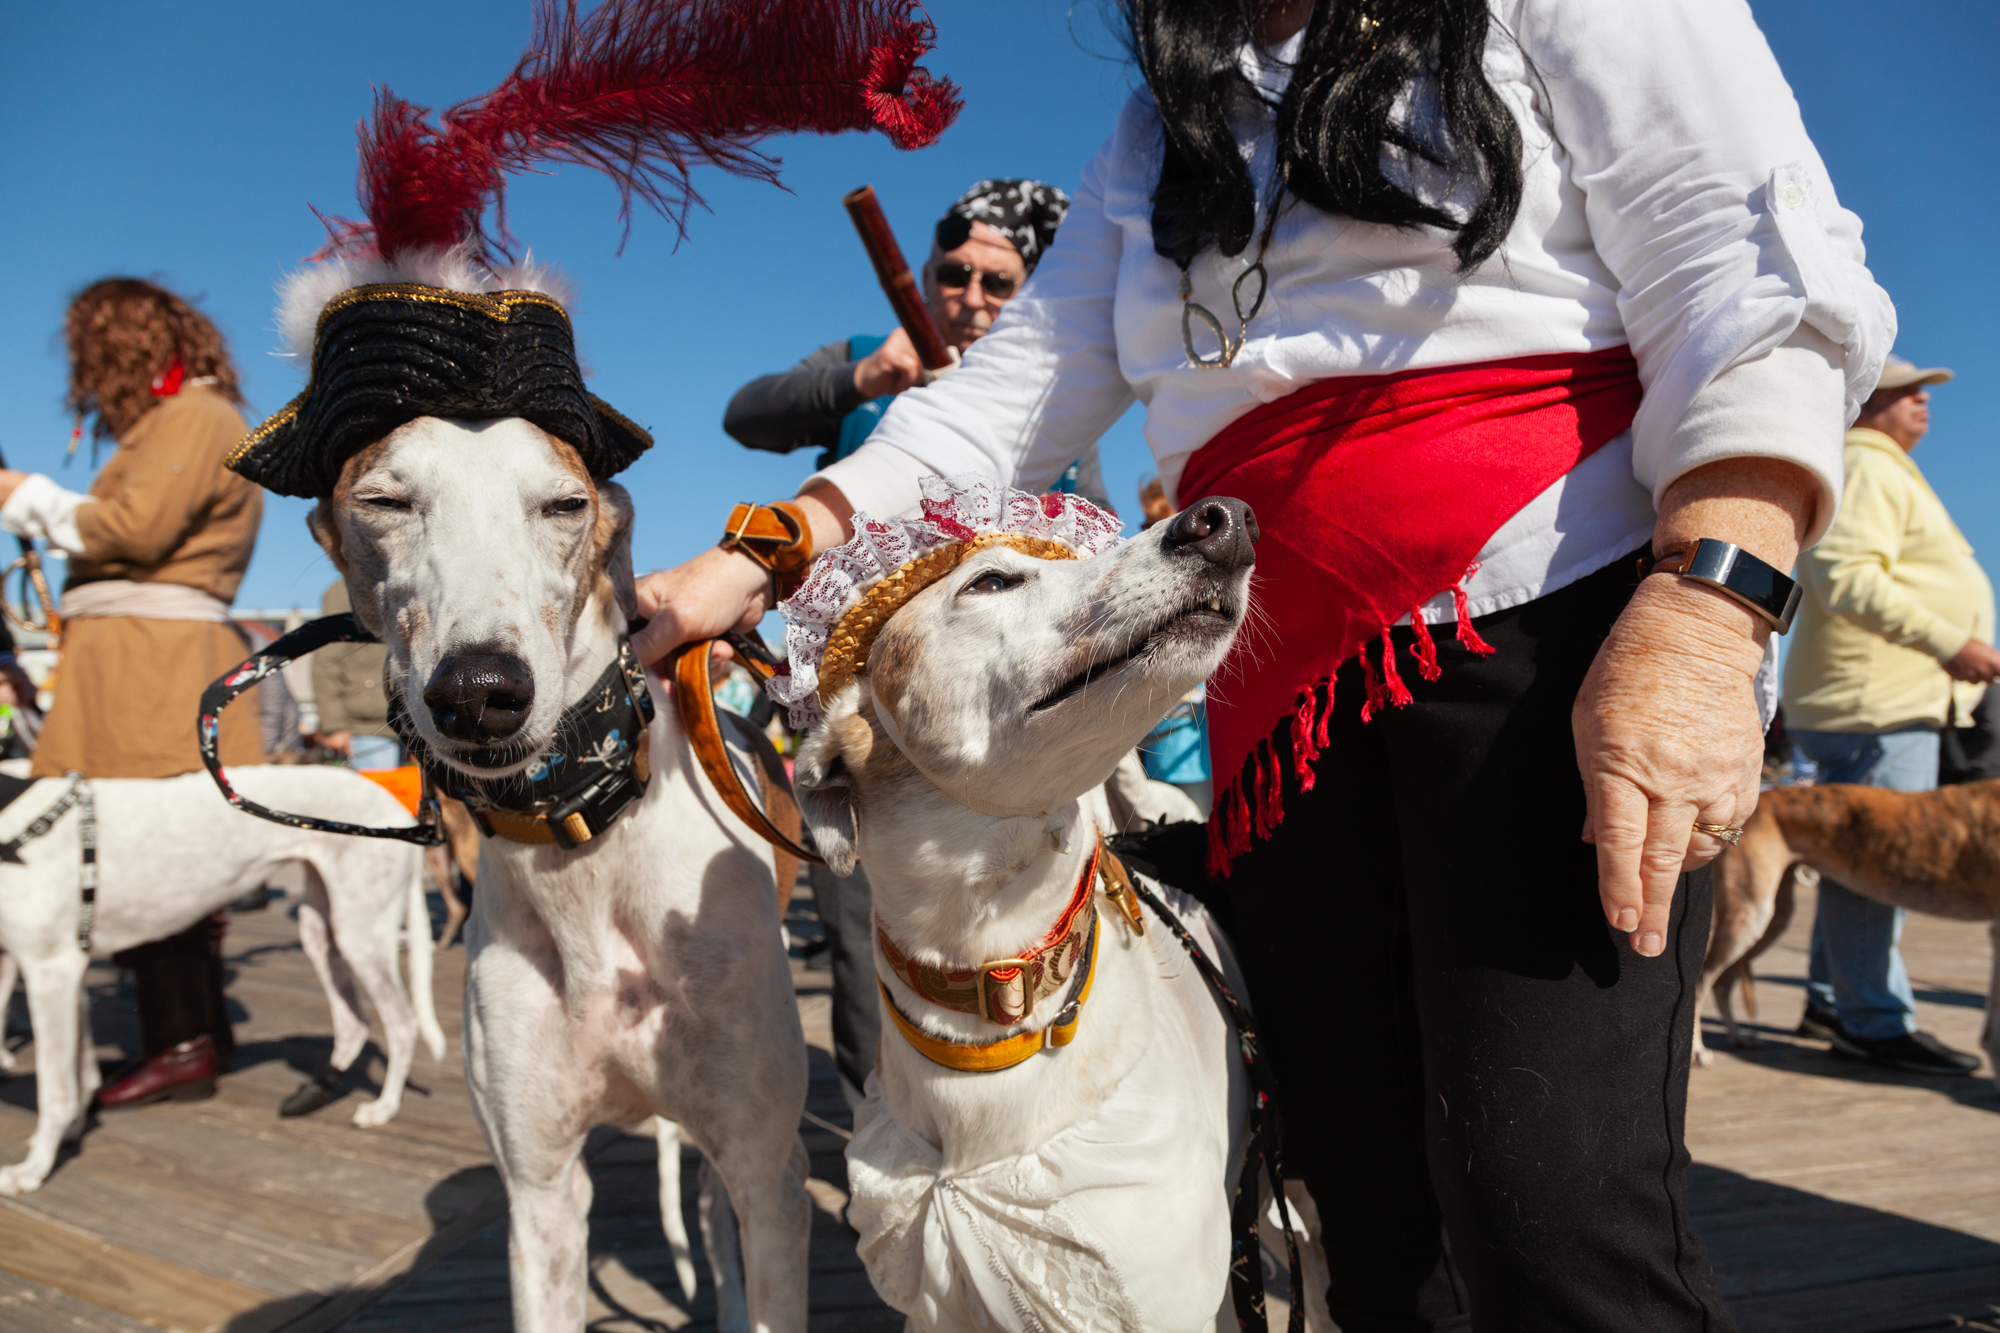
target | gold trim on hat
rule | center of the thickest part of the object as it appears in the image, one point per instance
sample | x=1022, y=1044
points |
x=854, y=634
x=494, y=305
x=277, y=421
x=624, y=422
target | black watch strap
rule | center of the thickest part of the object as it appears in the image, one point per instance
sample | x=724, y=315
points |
x=1732, y=570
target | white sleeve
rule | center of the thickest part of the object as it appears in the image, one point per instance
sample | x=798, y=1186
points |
x=40, y=508
x=878, y=479
x=1044, y=382
x=1785, y=403
x=1711, y=207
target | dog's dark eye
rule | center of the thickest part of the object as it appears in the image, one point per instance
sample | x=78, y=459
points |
x=386, y=503
x=569, y=504
x=993, y=581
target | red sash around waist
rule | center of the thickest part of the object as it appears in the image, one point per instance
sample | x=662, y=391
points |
x=1375, y=494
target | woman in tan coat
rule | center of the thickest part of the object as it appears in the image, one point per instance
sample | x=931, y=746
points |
x=156, y=551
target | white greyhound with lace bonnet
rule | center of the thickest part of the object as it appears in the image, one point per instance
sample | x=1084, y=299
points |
x=1048, y=1094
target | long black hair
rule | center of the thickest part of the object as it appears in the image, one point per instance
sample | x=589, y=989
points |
x=1351, y=100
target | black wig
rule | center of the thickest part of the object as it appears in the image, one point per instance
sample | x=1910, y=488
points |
x=1348, y=105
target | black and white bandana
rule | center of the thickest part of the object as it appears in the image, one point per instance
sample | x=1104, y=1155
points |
x=1026, y=212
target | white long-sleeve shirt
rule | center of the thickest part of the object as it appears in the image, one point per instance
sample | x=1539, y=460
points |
x=1672, y=201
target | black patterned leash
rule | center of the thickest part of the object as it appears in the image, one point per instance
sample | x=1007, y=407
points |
x=428, y=831
x=79, y=797
x=1246, y=1265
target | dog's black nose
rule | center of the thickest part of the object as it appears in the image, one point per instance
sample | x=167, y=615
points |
x=1220, y=528
x=481, y=696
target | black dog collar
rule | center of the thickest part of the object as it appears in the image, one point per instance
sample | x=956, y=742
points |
x=596, y=769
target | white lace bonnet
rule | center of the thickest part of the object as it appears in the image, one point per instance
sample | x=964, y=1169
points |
x=853, y=589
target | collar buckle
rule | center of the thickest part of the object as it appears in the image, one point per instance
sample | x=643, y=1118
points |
x=985, y=970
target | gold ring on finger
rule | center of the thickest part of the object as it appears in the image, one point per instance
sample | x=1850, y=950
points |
x=1729, y=833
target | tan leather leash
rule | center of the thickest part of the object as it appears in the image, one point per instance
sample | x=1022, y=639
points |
x=694, y=700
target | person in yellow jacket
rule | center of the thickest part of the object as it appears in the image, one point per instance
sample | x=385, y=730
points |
x=1893, y=642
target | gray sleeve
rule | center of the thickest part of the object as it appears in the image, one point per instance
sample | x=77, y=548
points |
x=798, y=407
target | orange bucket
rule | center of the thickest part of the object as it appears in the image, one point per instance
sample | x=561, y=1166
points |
x=406, y=784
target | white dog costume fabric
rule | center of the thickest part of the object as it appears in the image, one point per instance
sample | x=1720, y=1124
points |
x=1112, y=1224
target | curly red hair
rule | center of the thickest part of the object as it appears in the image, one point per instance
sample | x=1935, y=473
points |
x=123, y=333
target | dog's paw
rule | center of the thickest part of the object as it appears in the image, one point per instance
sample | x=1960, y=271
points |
x=373, y=1115
x=1746, y=1041
x=21, y=1178
x=1703, y=1057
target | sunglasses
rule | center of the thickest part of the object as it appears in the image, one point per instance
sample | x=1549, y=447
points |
x=951, y=277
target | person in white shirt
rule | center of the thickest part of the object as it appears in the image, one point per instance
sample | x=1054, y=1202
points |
x=1475, y=301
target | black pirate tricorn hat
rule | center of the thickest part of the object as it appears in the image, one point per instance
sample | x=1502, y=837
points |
x=387, y=353
x=411, y=314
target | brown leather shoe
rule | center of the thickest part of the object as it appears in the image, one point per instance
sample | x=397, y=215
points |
x=185, y=1073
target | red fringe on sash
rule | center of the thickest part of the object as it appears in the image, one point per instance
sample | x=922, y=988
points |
x=1235, y=819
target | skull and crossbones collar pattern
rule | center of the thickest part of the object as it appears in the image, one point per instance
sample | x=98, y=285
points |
x=595, y=768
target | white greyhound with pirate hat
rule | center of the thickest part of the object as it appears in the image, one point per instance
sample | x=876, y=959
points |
x=625, y=958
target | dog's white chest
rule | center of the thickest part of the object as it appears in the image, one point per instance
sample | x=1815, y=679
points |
x=1073, y=1235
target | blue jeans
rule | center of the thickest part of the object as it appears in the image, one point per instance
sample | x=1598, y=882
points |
x=1857, y=970
x=380, y=752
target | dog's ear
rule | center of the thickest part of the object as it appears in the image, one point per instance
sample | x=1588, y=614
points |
x=319, y=522
x=614, y=545
x=825, y=788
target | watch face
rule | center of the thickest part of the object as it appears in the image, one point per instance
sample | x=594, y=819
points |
x=1743, y=575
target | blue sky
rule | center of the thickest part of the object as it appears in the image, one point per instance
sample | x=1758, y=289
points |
x=186, y=141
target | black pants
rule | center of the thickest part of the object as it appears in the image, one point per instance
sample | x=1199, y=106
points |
x=1483, y=1086
x=178, y=983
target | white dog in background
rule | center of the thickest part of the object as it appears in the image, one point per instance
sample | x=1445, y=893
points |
x=641, y=974
x=1089, y=1186
x=169, y=852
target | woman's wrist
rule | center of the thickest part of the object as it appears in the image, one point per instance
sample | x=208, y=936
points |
x=1762, y=505
x=1693, y=620
x=828, y=513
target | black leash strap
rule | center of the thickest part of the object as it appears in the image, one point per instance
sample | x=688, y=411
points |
x=10, y=850
x=307, y=638
x=80, y=797
x=87, y=872
x=1246, y=1264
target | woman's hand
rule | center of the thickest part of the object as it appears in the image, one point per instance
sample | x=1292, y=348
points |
x=1667, y=734
x=714, y=593
x=720, y=590
x=1667, y=728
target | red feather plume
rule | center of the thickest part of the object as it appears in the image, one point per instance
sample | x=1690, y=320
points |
x=643, y=91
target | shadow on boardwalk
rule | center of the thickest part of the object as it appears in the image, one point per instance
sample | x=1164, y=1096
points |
x=457, y=1279
x=1792, y=1262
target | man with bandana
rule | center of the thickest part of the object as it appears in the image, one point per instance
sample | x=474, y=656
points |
x=982, y=252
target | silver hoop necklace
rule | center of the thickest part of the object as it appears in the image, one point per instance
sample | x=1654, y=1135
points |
x=1191, y=310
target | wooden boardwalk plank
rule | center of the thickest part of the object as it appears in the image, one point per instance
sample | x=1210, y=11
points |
x=1833, y=1198
x=28, y=1307
x=130, y=1282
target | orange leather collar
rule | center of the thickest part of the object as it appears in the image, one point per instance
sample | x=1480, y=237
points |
x=990, y=1056
x=1005, y=991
